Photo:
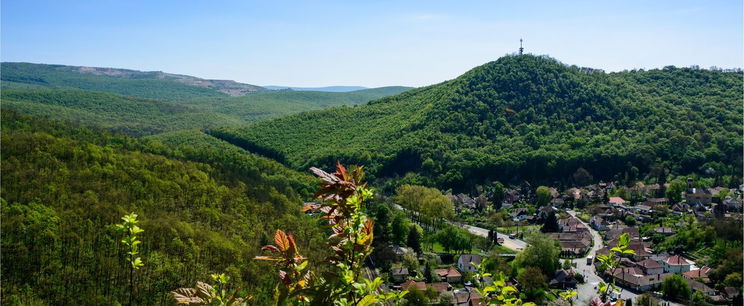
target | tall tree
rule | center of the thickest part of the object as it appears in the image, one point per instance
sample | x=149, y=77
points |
x=495, y=194
x=582, y=176
x=428, y=205
x=383, y=217
x=551, y=224
x=675, y=190
x=414, y=238
x=428, y=272
x=532, y=282
x=675, y=288
x=543, y=195
x=399, y=228
x=542, y=252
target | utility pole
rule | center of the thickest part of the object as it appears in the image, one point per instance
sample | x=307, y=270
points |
x=521, y=50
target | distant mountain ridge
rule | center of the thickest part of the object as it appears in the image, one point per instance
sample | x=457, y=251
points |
x=325, y=88
x=229, y=87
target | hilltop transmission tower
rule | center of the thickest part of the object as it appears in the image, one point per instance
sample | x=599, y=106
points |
x=521, y=50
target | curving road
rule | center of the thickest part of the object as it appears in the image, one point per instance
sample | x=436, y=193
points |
x=591, y=279
x=509, y=243
x=587, y=290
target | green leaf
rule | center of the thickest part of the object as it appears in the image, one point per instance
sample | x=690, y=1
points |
x=301, y=266
x=137, y=263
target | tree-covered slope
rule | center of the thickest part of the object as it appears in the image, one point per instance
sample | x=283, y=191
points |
x=209, y=103
x=65, y=187
x=143, y=84
x=523, y=117
x=133, y=116
x=277, y=103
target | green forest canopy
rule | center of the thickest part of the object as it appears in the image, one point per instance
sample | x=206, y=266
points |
x=130, y=115
x=70, y=94
x=65, y=187
x=522, y=117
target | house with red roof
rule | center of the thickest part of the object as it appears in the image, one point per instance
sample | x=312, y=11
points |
x=450, y=275
x=413, y=284
x=675, y=264
x=699, y=274
x=617, y=201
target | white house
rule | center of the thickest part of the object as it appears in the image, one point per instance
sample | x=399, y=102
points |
x=466, y=261
x=675, y=264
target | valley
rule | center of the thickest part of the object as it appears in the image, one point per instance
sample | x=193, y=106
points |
x=558, y=182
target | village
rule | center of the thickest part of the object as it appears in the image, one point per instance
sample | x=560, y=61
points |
x=680, y=238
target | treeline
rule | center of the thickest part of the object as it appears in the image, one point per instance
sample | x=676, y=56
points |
x=144, y=103
x=65, y=187
x=524, y=118
x=128, y=115
x=139, y=116
x=274, y=104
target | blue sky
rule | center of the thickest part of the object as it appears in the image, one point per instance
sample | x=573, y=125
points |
x=367, y=43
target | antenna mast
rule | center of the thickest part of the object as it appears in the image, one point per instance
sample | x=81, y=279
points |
x=521, y=50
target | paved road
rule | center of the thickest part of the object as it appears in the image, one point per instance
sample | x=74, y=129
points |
x=587, y=290
x=512, y=244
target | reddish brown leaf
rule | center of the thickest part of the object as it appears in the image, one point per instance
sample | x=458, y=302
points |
x=186, y=296
x=341, y=171
x=281, y=240
x=368, y=226
x=270, y=248
x=271, y=258
x=292, y=247
x=324, y=175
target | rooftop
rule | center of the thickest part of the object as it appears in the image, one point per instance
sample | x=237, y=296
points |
x=650, y=264
x=676, y=260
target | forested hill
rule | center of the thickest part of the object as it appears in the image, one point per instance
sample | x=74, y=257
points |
x=276, y=103
x=143, y=84
x=205, y=207
x=129, y=115
x=144, y=103
x=523, y=118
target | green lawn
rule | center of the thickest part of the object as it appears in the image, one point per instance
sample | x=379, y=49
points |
x=439, y=249
x=504, y=250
